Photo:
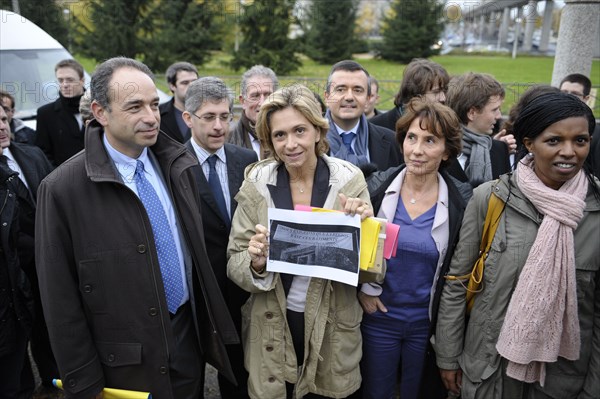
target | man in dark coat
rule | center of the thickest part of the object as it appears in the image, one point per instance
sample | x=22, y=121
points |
x=351, y=136
x=16, y=305
x=59, y=125
x=32, y=166
x=208, y=107
x=179, y=76
x=129, y=295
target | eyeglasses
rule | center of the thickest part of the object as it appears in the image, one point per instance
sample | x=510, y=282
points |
x=210, y=118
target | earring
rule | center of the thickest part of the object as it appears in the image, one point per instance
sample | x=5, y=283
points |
x=530, y=154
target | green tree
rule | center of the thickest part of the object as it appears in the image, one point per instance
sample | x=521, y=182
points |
x=410, y=29
x=46, y=14
x=330, y=36
x=114, y=28
x=265, y=26
x=182, y=30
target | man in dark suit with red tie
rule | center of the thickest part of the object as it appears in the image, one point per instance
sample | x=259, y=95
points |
x=208, y=106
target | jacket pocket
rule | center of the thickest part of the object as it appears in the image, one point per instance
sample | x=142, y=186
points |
x=342, y=343
x=119, y=354
x=91, y=286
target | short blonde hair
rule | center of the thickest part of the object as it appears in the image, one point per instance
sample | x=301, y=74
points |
x=303, y=100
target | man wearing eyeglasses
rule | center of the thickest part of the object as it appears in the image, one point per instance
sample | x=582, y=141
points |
x=59, y=125
x=258, y=83
x=208, y=105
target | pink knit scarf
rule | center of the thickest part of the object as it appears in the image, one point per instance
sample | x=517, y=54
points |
x=541, y=322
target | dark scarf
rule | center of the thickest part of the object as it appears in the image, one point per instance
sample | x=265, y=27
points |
x=70, y=104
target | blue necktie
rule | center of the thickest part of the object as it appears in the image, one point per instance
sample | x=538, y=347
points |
x=215, y=186
x=347, y=139
x=163, y=236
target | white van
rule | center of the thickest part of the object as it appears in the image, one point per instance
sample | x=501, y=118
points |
x=27, y=58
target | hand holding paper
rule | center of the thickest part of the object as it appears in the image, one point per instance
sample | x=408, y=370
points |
x=258, y=248
x=355, y=206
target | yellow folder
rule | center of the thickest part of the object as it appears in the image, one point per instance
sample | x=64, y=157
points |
x=111, y=393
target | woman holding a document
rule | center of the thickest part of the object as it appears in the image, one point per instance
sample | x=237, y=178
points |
x=428, y=205
x=301, y=335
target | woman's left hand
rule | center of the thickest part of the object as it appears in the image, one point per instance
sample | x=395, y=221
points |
x=355, y=206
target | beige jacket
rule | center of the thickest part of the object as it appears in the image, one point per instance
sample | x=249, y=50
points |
x=332, y=314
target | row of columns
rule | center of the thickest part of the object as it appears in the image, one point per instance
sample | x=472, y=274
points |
x=578, y=39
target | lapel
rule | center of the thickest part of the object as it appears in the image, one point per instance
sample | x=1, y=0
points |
x=455, y=170
x=169, y=123
x=235, y=174
x=204, y=189
x=29, y=172
x=282, y=195
x=390, y=200
x=378, y=147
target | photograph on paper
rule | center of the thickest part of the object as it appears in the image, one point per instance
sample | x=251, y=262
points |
x=314, y=244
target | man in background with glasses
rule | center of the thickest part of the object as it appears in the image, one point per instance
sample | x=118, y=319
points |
x=208, y=106
x=258, y=83
x=59, y=125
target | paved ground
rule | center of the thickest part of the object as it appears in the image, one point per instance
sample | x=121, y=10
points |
x=211, y=385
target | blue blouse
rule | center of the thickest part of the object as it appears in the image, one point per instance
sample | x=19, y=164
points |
x=410, y=274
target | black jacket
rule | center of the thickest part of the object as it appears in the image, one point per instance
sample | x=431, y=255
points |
x=500, y=162
x=384, y=150
x=16, y=302
x=35, y=167
x=387, y=119
x=100, y=279
x=58, y=133
x=216, y=230
x=168, y=123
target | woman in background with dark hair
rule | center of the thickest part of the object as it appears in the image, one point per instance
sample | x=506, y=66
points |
x=428, y=204
x=534, y=329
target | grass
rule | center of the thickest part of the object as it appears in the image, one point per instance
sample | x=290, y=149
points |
x=517, y=75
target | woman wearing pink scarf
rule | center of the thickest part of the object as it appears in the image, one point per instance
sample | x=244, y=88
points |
x=534, y=330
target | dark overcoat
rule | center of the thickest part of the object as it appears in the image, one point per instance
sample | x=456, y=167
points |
x=100, y=279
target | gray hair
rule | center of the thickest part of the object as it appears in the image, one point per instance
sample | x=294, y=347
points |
x=207, y=89
x=85, y=107
x=258, y=70
x=172, y=70
x=100, y=83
